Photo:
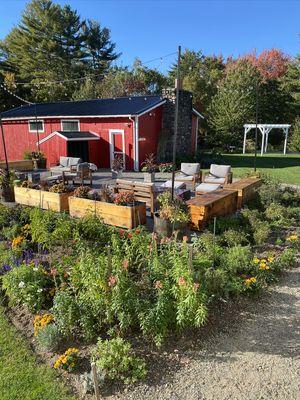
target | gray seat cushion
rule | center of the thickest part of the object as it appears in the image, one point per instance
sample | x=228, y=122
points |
x=219, y=171
x=64, y=161
x=207, y=187
x=73, y=161
x=177, y=185
x=214, y=179
x=190, y=168
x=183, y=177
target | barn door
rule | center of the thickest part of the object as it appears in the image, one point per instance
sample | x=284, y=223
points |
x=117, y=145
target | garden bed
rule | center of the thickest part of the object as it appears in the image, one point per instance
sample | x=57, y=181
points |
x=43, y=199
x=82, y=280
x=112, y=214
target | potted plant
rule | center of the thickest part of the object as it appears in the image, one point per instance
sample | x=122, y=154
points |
x=117, y=167
x=172, y=216
x=38, y=159
x=6, y=185
x=165, y=167
x=149, y=167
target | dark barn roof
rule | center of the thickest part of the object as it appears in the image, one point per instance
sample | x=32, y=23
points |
x=118, y=106
x=77, y=135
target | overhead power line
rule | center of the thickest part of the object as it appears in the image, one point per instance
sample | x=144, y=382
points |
x=87, y=76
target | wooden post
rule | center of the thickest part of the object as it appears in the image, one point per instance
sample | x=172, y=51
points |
x=176, y=121
x=95, y=381
x=109, y=261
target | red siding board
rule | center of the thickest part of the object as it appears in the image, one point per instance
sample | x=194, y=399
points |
x=194, y=134
x=19, y=139
x=150, y=126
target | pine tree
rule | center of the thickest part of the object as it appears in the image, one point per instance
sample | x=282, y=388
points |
x=53, y=43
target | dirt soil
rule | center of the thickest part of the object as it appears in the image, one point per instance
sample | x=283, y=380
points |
x=252, y=353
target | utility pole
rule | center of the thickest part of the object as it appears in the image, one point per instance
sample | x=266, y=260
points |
x=4, y=146
x=176, y=120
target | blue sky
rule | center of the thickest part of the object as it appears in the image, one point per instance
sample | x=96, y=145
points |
x=151, y=29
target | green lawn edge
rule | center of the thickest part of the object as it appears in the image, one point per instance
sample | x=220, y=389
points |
x=286, y=168
x=21, y=376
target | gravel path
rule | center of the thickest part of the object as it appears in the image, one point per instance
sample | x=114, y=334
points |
x=253, y=355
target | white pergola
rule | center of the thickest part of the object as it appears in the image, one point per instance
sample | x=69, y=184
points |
x=264, y=130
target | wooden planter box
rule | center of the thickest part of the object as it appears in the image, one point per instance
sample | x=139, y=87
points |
x=246, y=189
x=215, y=204
x=111, y=214
x=42, y=199
x=19, y=165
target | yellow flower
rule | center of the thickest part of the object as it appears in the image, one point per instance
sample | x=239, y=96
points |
x=264, y=267
x=256, y=260
x=40, y=321
x=17, y=241
x=270, y=259
x=292, y=238
x=249, y=281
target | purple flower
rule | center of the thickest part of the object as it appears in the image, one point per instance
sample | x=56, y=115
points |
x=5, y=268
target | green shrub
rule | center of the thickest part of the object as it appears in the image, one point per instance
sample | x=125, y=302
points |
x=29, y=285
x=286, y=260
x=276, y=212
x=261, y=232
x=65, y=312
x=233, y=237
x=216, y=281
x=116, y=359
x=237, y=259
x=50, y=338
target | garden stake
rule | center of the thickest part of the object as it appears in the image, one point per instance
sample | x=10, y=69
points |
x=214, y=237
x=95, y=381
x=109, y=260
x=191, y=259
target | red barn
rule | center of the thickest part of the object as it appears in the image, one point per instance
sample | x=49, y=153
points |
x=94, y=130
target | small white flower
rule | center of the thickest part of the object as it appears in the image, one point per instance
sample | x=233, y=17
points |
x=35, y=269
x=21, y=284
x=39, y=290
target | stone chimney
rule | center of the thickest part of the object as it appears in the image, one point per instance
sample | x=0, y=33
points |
x=184, y=138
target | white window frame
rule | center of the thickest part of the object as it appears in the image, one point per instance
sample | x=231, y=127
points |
x=69, y=120
x=111, y=146
x=35, y=130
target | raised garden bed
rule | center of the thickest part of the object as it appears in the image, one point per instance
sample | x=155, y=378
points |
x=42, y=199
x=112, y=214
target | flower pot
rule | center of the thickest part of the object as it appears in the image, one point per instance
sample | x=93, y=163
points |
x=116, y=174
x=149, y=177
x=39, y=163
x=7, y=194
x=167, y=228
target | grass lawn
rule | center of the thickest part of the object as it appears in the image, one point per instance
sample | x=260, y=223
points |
x=284, y=167
x=21, y=377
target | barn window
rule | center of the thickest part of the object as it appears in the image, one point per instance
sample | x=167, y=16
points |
x=36, y=125
x=70, y=125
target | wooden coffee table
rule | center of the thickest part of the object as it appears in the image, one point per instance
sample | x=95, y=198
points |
x=215, y=204
x=246, y=189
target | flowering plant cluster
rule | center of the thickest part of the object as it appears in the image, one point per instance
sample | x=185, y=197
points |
x=165, y=167
x=17, y=242
x=41, y=321
x=68, y=361
x=124, y=199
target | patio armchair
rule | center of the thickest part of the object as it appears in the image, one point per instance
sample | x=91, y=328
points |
x=218, y=174
x=83, y=172
x=189, y=172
